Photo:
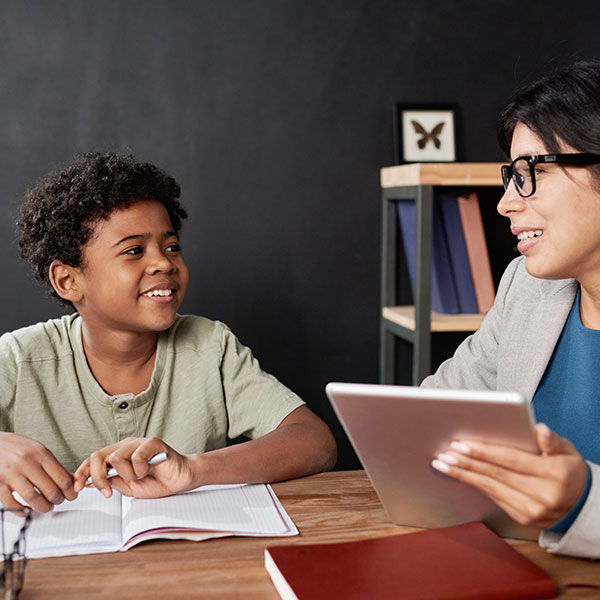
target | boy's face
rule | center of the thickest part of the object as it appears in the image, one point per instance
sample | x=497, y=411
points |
x=134, y=277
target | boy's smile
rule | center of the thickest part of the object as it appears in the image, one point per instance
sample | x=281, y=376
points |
x=133, y=276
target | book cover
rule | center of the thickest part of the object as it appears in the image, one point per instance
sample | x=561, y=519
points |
x=462, y=562
x=479, y=260
x=459, y=259
x=443, y=291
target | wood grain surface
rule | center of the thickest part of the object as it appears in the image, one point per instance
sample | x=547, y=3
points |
x=452, y=174
x=329, y=507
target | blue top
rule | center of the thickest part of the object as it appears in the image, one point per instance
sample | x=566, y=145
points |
x=568, y=397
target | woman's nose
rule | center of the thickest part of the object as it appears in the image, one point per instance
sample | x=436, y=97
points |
x=511, y=201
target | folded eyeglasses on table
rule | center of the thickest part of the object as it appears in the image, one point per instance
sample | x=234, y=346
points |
x=13, y=554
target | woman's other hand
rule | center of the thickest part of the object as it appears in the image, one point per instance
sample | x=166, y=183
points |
x=534, y=489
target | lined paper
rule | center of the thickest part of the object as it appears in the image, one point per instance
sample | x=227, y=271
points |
x=92, y=523
x=251, y=510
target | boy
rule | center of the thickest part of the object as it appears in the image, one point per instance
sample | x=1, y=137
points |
x=125, y=377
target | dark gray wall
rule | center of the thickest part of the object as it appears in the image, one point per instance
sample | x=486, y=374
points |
x=275, y=117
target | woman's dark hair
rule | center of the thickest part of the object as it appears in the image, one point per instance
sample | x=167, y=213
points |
x=59, y=214
x=563, y=107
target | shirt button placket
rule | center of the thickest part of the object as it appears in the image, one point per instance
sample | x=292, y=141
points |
x=124, y=418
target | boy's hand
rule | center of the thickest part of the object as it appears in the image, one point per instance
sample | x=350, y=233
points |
x=30, y=469
x=135, y=476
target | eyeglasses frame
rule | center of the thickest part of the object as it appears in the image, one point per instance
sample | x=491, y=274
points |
x=13, y=555
x=574, y=159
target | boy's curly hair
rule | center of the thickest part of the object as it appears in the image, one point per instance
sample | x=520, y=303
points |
x=59, y=214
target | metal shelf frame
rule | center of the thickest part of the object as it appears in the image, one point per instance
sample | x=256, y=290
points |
x=420, y=337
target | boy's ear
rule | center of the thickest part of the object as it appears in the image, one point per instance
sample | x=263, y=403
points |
x=65, y=281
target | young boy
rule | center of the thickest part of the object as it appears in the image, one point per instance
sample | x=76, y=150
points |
x=125, y=377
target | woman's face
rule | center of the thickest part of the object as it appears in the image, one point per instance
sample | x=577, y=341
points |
x=563, y=216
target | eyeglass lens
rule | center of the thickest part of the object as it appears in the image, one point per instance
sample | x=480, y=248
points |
x=521, y=174
x=13, y=556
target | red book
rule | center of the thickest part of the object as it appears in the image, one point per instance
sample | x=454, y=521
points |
x=466, y=561
x=479, y=259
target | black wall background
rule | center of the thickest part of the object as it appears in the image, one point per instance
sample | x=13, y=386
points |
x=275, y=117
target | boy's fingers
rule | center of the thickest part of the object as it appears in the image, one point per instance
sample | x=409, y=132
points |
x=140, y=459
x=31, y=497
x=58, y=484
x=7, y=499
x=120, y=461
x=81, y=474
x=32, y=472
x=130, y=459
x=98, y=467
x=122, y=486
x=43, y=484
x=46, y=487
x=52, y=480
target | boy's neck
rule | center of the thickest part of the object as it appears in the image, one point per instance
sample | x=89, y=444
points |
x=121, y=362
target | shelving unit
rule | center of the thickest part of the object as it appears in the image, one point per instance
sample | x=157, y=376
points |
x=420, y=182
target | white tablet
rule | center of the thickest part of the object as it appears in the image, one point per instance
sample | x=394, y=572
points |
x=398, y=430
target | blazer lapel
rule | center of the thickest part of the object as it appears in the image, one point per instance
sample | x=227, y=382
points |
x=531, y=338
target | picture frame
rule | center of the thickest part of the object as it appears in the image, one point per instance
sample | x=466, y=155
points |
x=425, y=132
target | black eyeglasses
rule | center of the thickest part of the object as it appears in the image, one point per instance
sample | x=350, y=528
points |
x=13, y=551
x=521, y=171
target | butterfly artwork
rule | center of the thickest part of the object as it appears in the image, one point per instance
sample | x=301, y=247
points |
x=424, y=134
x=433, y=135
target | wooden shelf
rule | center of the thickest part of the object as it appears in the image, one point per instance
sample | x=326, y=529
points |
x=422, y=182
x=405, y=316
x=452, y=174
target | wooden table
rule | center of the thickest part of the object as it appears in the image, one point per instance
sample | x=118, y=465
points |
x=330, y=507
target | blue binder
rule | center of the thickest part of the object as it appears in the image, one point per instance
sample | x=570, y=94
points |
x=444, y=298
x=459, y=259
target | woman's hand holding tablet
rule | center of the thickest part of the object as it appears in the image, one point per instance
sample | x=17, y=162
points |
x=534, y=489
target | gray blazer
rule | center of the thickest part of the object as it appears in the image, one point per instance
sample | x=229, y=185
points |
x=510, y=351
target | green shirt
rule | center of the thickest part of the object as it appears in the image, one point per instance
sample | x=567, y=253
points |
x=205, y=386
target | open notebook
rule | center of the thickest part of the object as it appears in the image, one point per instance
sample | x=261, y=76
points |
x=92, y=523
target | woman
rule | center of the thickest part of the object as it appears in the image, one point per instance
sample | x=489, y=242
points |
x=542, y=337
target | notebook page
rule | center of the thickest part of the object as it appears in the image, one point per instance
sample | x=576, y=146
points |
x=89, y=524
x=251, y=510
x=266, y=514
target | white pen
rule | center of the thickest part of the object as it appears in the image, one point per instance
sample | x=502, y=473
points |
x=157, y=458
